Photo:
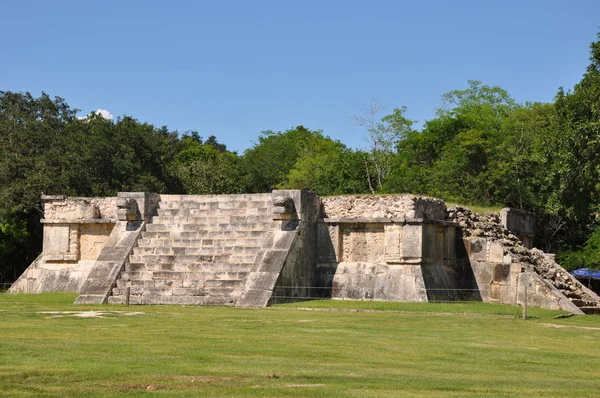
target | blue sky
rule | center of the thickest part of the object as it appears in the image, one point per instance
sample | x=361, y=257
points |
x=235, y=68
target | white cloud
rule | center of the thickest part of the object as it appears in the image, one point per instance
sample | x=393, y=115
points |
x=104, y=113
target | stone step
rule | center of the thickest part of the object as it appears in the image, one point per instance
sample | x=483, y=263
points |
x=189, y=267
x=198, y=242
x=163, y=245
x=237, y=258
x=155, y=227
x=218, y=201
x=205, y=230
x=173, y=300
x=194, y=239
x=160, y=275
x=156, y=235
x=195, y=251
x=590, y=310
x=153, y=258
x=223, y=287
x=196, y=281
x=209, y=211
x=213, y=219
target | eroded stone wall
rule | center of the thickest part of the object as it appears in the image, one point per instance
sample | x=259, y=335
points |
x=64, y=208
x=386, y=259
x=363, y=242
x=407, y=206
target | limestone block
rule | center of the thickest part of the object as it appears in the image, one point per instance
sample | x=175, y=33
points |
x=86, y=210
x=495, y=252
x=395, y=284
x=255, y=298
x=380, y=291
x=412, y=243
x=327, y=242
x=92, y=238
x=56, y=239
x=433, y=243
x=501, y=273
x=519, y=222
x=476, y=248
x=355, y=288
x=516, y=268
x=508, y=294
x=363, y=242
x=449, y=245
x=393, y=235
x=347, y=268
x=262, y=280
x=495, y=292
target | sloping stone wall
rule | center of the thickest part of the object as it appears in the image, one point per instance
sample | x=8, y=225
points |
x=75, y=231
x=499, y=260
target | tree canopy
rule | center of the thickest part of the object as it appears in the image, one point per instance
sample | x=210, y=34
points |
x=482, y=147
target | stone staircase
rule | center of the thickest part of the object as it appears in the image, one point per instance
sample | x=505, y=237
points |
x=198, y=250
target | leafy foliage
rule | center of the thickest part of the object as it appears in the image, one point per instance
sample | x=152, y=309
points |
x=481, y=148
x=587, y=256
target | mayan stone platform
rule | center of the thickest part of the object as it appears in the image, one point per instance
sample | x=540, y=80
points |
x=253, y=250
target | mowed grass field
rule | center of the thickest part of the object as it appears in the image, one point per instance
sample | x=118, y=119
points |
x=401, y=350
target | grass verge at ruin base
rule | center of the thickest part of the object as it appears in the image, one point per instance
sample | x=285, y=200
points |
x=49, y=347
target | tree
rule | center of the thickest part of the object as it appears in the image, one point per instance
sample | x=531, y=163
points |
x=456, y=156
x=268, y=162
x=326, y=167
x=573, y=163
x=382, y=138
x=204, y=169
x=44, y=148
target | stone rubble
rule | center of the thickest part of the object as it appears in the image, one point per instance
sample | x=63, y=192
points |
x=489, y=226
x=373, y=206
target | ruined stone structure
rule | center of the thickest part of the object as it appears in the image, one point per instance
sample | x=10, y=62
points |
x=255, y=250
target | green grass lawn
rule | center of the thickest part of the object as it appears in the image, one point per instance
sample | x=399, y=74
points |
x=402, y=350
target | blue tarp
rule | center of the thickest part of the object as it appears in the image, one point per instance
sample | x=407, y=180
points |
x=585, y=273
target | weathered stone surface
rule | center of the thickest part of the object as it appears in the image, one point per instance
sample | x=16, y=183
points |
x=521, y=223
x=65, y=208
x=407, y=206
x=504, y=247
x=228, y=250
x=111, y=260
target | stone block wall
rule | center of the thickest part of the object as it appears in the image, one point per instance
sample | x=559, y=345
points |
x=521, y=223
x=501, y=279
x=75, y=231
x=385, y=259
x=60, y=207
x=407, y=206
x=296, y=279
x=388, y=248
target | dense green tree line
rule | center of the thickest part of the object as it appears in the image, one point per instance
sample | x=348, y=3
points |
x=480, y=148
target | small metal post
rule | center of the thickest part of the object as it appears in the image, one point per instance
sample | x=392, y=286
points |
x=524, y=300
x=589, y=279
x=127, y=293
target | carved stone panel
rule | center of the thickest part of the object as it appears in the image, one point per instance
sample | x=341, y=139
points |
x=363, y=242
x=56, y=239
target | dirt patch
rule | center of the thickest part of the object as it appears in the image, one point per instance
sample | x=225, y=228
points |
x=90, y=314
x=206, y=379
x=148, y=387
x=304, y=385
x=554, y=325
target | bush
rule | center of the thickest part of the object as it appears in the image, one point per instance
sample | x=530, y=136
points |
x=587, y=256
